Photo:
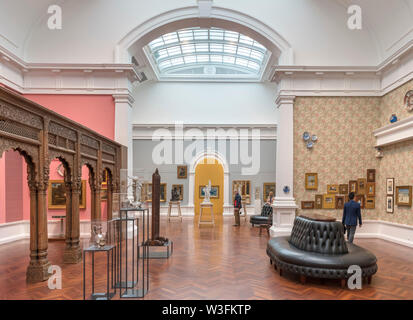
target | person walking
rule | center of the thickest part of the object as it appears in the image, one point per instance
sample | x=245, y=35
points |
x=237, y=208
x=351, y=213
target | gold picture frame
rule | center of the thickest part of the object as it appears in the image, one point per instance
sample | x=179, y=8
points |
x=146, y=192
x=371, y=175
x=332, y=188
x=370, y=202
x=267, y=188
x=361, y=186
x=343, y=189
x=245, y=187
x=318, y=203
x=306, y=205
x=180, y=189
x=361, y=198
x=182, y=172
x=329, y=201
x=311, y=181
x=371, y=189
x=404, y=196
x=340, y=200
x=57, y=195
x=353, y=186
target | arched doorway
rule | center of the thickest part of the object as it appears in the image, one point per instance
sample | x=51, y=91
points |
x=209, y=169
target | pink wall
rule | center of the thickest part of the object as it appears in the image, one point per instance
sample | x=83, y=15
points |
x=96, y=112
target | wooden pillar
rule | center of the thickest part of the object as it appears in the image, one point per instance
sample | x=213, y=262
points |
x=72, y=253
x=39, y=264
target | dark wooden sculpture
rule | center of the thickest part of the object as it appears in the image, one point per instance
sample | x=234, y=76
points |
x=156, y=240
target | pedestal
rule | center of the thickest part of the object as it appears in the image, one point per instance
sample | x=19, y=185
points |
x=283, y=216
x=178, y=206
x=110, y=272
x=209, y=206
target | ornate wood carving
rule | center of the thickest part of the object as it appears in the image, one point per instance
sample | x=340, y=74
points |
x=40, y=136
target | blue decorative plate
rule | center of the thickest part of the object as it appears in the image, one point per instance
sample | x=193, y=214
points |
x=306, y=136
x=310, y=145
x=314, y=138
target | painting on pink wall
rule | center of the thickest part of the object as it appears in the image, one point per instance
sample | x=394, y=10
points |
x=57, y=195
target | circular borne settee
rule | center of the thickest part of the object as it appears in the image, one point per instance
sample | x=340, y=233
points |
x=317, y=249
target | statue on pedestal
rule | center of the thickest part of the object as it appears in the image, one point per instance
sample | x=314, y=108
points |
x=136, y=192
x=207, y=191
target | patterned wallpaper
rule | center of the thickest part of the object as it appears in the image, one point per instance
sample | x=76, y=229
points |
x=345, y=149
x=397, y=162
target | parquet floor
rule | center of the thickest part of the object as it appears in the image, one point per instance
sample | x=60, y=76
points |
x=220, y=262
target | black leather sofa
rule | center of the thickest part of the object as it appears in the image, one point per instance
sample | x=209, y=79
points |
x=318, y=249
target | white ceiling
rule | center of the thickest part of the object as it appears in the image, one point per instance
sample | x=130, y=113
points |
x=315, y=29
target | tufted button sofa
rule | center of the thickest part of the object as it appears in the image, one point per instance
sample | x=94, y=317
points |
x=318, y=249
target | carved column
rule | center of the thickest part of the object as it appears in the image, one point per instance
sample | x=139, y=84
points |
x=39, y=264
x=72, y=253
x=156, y=187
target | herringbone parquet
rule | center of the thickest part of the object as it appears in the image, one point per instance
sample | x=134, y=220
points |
x=220, y=262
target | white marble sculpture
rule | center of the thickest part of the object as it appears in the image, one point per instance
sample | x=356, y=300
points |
x=136, y=191
x=207, y=191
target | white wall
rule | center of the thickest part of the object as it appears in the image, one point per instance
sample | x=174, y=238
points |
x=316, y=29
x=205, y=103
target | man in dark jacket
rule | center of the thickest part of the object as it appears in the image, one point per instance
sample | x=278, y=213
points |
x=237, y=208
x=351, y=214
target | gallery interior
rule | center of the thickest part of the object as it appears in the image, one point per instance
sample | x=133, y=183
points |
x=206, y=149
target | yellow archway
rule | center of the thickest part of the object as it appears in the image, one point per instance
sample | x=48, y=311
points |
x=209, y=169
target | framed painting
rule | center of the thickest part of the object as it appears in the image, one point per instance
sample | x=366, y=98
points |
x=390, y=186
x=318, y=204
x=332, y=188
x=371, y=189
x=329, y=201
x=361, y=186
x=311, y=181
x=352, y=186
x=268, y=187
x=104, y=194
x=404, y=196
x=306, y=205
x=244, y=188
x=182, y=172
x=339, y=202
x=180, y=190
x=360, y=198
x=370, y=202
x=371, y=175
x=343, y=188
x=57, y=195
x=390, y=204
x=214, y=194
x=146, y=192
x=105, y=179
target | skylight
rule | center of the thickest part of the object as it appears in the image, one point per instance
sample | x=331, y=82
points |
x=207, y=52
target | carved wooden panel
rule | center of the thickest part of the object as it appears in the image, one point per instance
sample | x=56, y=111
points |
x=20, y=115
x=19, y=129
x=62, y=131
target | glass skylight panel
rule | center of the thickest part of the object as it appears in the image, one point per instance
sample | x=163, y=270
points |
x=198, y=47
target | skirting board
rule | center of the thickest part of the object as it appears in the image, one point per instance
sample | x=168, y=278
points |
x=188, y=210
x=372, y=229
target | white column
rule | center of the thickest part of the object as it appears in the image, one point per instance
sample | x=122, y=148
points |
x=284, y=203
x=123, y=124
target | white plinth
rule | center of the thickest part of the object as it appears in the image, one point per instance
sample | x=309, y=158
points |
x=283, y=216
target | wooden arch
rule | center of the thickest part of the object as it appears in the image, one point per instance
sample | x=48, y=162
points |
x=41, y=135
